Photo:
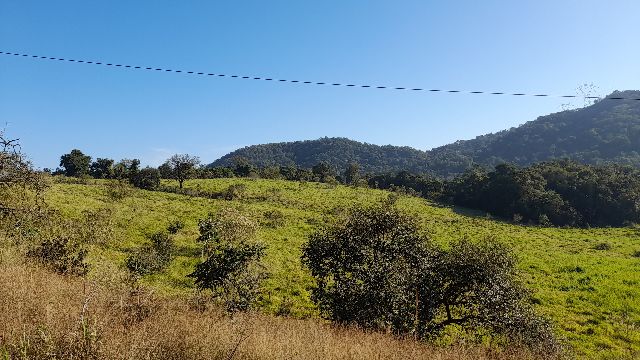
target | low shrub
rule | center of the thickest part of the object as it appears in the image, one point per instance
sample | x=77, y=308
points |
x=274, y=218
x=60, y=254
x=153, y=257
x=175, y=226
x=235, y=192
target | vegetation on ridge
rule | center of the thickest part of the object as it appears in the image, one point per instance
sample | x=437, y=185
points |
x=605, y=132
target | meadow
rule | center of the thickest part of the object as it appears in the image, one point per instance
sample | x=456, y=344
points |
x=585, y=280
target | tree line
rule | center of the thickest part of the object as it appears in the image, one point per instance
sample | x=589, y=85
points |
x=182, y=167
x=558, y=193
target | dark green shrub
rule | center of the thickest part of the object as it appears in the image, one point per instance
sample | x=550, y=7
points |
x=60, y=254
x=602, y=246
x=376, y=270
x=147, y=179
x=153, y=257
x=175, y=226
x=232, y=269
x=274, y=218
x=117, y=190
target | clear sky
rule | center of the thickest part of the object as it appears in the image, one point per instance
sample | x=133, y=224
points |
x=547, y=46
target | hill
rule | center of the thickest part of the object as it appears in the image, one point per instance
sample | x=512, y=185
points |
x=588, y=289
x=607, y=131
x=338, y=152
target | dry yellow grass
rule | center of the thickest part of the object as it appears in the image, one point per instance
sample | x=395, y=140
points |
x=44, y=315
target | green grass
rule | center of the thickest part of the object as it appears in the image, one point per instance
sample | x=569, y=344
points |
x=592, y=296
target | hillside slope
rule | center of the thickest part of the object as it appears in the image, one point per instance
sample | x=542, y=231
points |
x=590, y=291
x=608, y=131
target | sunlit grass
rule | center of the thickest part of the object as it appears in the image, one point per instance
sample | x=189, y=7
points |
x=593, y=296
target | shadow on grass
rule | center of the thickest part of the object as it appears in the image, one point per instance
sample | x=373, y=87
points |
x=187, y=251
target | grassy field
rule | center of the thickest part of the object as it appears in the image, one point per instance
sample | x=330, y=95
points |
x=586, y=280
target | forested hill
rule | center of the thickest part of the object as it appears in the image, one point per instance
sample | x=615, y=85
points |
x=338, y=152
x=608, y=131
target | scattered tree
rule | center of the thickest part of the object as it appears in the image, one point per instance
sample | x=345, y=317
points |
x=323, y=172
x=126, y=169
x=75, y=163
x=242, y=167
x=102, y=168
x=181, y=167
x=352, y=174
x=147, y=178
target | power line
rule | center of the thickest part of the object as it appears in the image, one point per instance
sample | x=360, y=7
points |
x=327, y=83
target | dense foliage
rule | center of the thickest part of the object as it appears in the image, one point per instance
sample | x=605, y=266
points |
x=338, y=153
x=561, y=193
x=607, y=131
x=75, y=163
x=376, y=270
x=231, y=268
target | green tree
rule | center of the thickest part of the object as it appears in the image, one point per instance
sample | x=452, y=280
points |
x=126, y=169
x=352, y=174
x=75, y=163
x=147, y=178
x=102, y=168
x=323, y=172
x=181, y=167
x=376, y=270
x=232, y=268
x=242, y=167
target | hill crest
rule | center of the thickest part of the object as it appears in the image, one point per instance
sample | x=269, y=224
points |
x=607, y=131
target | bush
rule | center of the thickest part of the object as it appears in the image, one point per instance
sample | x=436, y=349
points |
x=602, y=246
x=175, y=226
x=147, y=179
x=376, y=270
x=117, y=190
x=235, y=192
x=59, y=243
x=62, y=255
x=232, y=269
x=274, y=218
x=153, y=257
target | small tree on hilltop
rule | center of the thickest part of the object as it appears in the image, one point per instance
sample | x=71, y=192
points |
x=102, y=168
x=147, y=178
x=181, y=167
x=75, y=163
x=126, y=169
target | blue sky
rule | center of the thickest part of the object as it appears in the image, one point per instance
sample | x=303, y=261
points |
x=514, y=46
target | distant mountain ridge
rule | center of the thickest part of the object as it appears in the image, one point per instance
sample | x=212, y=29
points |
x=608, y=131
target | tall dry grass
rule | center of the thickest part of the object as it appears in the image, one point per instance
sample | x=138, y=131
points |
x=44, y=315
